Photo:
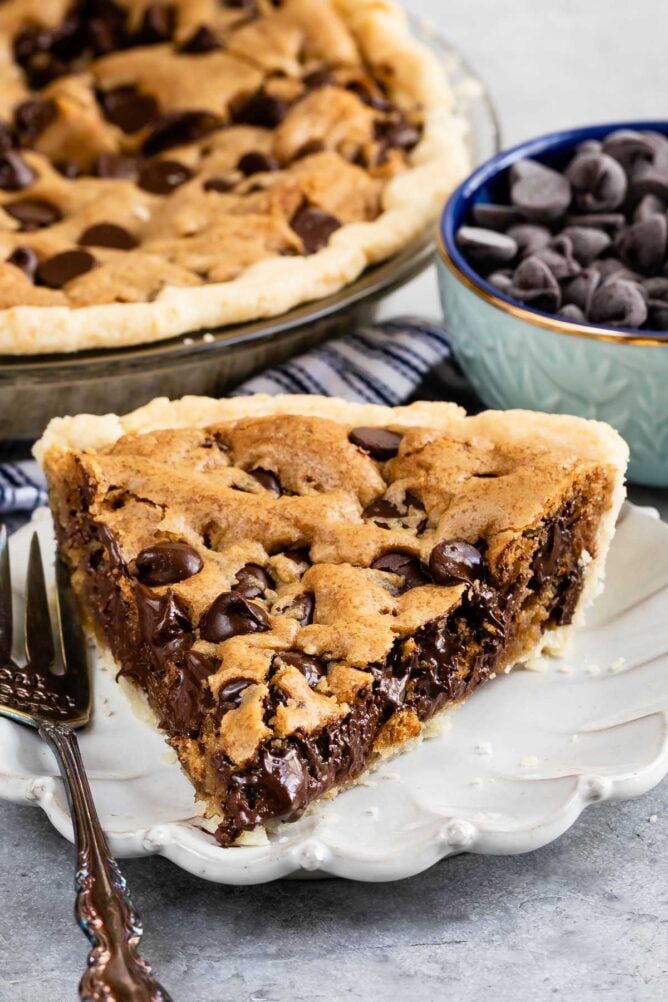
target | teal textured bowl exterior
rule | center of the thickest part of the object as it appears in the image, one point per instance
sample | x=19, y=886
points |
x=512, y=362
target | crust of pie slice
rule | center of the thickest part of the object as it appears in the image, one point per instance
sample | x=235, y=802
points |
x=348, y=658
x=268, y=287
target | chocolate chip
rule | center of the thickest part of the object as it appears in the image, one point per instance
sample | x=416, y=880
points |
x=628, y=147
x=642, y=247
x=628, y=276
x=552, y=548
x=366, y=94
x=15, y=174
x=656, y=288
x=397, y=133
x=649, y=205
x=501, y=280
x=6, y=138
x=535, y=285
x=179, y=129
x=187, y=698
x=559, y=258
x=540, y=193
x=486, y=248
x=413, y=501
x=572, y=312
x=308, y=149
x=46, y=71
x=580, y=290
x=311, y=668
x=33, y=117
x=598, y=181
x=301, y=608
x=262, y=110
x=106, y=29
x=496, y=217
x=589, y=146
x=381, y=508
x=379, y=443
x=322, y=78
x=117, y=166
x=30, y=40
x=127, y=108
x=220, y=184
x=587, y=243
x=33, y=213
x=611, y=222
x=253, y=581
x=454, y=561
x=161, y=177
x=268, y=480
x=659, y=143
x=257, y=163
x=657, y=315
x=314, y=227
x=158, y=24
x=300, y=558
x=62, y=268
x=618, y=303
x=69, y=39
x=405, y=565
x=201, y=41
x=25, y=259
x=609, y=266
x=229, y=697
x=107, y=235
x=164, y=623
x=68, y=169
x=231, y=615
x=167, y=563
x=529, y=237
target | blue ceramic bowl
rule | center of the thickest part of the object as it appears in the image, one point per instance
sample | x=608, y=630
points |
x=515, y=356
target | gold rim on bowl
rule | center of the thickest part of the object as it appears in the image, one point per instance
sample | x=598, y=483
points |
x=553, y=324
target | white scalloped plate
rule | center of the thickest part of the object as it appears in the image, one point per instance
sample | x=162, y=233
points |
x=511, y=771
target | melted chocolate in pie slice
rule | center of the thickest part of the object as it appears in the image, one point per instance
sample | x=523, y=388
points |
x=289, y=636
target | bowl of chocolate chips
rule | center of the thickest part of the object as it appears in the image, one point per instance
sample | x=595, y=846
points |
x=553, y=272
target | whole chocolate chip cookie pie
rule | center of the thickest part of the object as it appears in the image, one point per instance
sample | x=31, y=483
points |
x=169, y=167
x=299, y=584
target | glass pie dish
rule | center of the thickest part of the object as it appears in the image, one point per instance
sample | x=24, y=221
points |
x=35, y=389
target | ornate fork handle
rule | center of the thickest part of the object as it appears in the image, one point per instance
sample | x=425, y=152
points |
x=116, y=970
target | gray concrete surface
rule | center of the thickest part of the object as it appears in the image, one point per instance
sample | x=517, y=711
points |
x=585, y=918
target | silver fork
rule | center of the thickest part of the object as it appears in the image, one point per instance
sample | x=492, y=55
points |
x=57, y=704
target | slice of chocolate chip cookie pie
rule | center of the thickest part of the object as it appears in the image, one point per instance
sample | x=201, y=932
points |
x=299, y=584
x=171, y=167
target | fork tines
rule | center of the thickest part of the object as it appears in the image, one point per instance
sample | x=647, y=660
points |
x=35, y=694
x=5, y=597
x=39, y=646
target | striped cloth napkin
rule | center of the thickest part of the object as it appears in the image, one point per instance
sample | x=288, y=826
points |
x=380, y=364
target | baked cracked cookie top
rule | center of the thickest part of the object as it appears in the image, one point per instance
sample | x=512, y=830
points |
x=166, y=168
x=299, y=584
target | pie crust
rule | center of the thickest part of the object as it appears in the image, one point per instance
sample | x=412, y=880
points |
x=155, y=291
x=301, y=585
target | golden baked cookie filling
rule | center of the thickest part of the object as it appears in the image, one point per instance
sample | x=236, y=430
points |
x=147, y=150
x=299, y=584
